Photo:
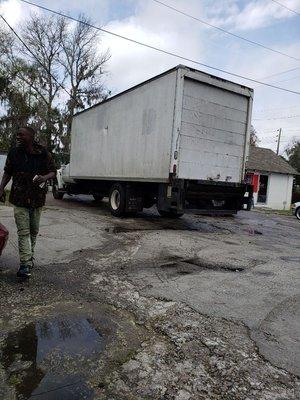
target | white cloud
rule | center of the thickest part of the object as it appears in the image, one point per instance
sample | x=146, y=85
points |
x=158, y=26
x=256, y=14
x=269, y=104
x=98, y=10
x=132, y=63
x=14, y=11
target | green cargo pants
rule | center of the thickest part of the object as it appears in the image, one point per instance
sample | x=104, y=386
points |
x=28, y=223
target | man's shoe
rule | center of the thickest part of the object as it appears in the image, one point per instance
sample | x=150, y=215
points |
x=23, y=272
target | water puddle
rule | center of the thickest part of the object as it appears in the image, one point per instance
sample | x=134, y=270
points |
x=47, y=360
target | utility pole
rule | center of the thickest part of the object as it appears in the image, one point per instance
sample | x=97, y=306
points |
x=278, y=140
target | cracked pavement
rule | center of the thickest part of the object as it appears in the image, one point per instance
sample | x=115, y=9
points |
x=196, y=308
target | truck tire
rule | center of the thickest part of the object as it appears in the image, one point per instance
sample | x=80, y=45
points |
x=148, y=202
x=117, y=199
x=57, y=194
x=170, y=214
x=297, y=212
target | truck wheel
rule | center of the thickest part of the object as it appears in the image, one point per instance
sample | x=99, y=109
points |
x=117, y=200
x=57, y=194
x=97, y=197
x=297, y=212
x=170, y=214
x=148, y=202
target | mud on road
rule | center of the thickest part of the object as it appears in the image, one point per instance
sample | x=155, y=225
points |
x=151, y=308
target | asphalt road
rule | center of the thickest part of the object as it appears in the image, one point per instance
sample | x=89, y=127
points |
x=195, y=308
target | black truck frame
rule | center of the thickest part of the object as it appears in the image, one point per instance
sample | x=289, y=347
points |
x=171, y=199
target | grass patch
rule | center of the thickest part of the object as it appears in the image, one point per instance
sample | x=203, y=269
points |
x=7, y=194
x=271, y=211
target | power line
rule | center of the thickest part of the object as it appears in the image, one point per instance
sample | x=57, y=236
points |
x=280, y=73
x=291, y=129
x=275, y=132
x=269, y=119
x=158, y=49
x=277, y=108
x=269, y=134
x=286, y=80
x=284, y=6
x=285, y=129
x=34, y=56
x=224, y=30
x=275, y=140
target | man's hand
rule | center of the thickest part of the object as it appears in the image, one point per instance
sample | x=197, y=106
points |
x=40, y=179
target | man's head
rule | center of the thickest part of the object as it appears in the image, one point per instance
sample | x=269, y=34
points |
x=25, y=136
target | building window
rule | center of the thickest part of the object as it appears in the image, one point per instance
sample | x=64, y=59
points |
x=263, y=189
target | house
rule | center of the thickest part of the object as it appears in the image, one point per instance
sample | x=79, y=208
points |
x=272, y=178
x=3, y=155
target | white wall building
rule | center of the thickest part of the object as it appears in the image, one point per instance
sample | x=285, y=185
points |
x=3, y=155
x=272, y=179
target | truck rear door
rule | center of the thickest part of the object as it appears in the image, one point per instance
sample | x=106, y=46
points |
x=213, y=132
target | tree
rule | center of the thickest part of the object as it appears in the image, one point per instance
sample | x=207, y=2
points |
x=6, y=43
x=83, y=67
x=16, y=99
x=293, y=153
x=56, y=71
x=42, y=37
x=253, y=137
x=18, y=110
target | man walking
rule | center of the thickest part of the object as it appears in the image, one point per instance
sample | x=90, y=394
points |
x=29, y=165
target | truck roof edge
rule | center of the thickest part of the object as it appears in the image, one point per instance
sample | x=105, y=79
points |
x=179, y=66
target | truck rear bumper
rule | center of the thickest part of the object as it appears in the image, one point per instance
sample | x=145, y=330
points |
x=203, y=196
x=216, y=196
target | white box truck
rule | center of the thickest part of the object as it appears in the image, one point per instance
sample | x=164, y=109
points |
x=179, y=140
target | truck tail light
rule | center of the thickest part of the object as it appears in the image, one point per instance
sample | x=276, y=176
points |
x=174, y=168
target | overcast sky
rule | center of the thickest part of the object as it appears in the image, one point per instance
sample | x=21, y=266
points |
x=262, y=21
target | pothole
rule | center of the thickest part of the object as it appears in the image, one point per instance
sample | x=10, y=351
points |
x=252, y=231
x=125, y=229
x=290, y=258
x=160, y=224
x=178, y=267
x=214, y=266
x=264, y=273
x=196, y=264
x=46, y=359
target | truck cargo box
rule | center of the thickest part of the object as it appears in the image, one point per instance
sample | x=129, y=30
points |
x=185, y=122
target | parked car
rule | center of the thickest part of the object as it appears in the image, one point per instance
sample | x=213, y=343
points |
x=3, y=237
x=296, y=209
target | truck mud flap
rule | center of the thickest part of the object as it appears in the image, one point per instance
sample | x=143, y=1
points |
x=134, y=200
x=171, y=197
